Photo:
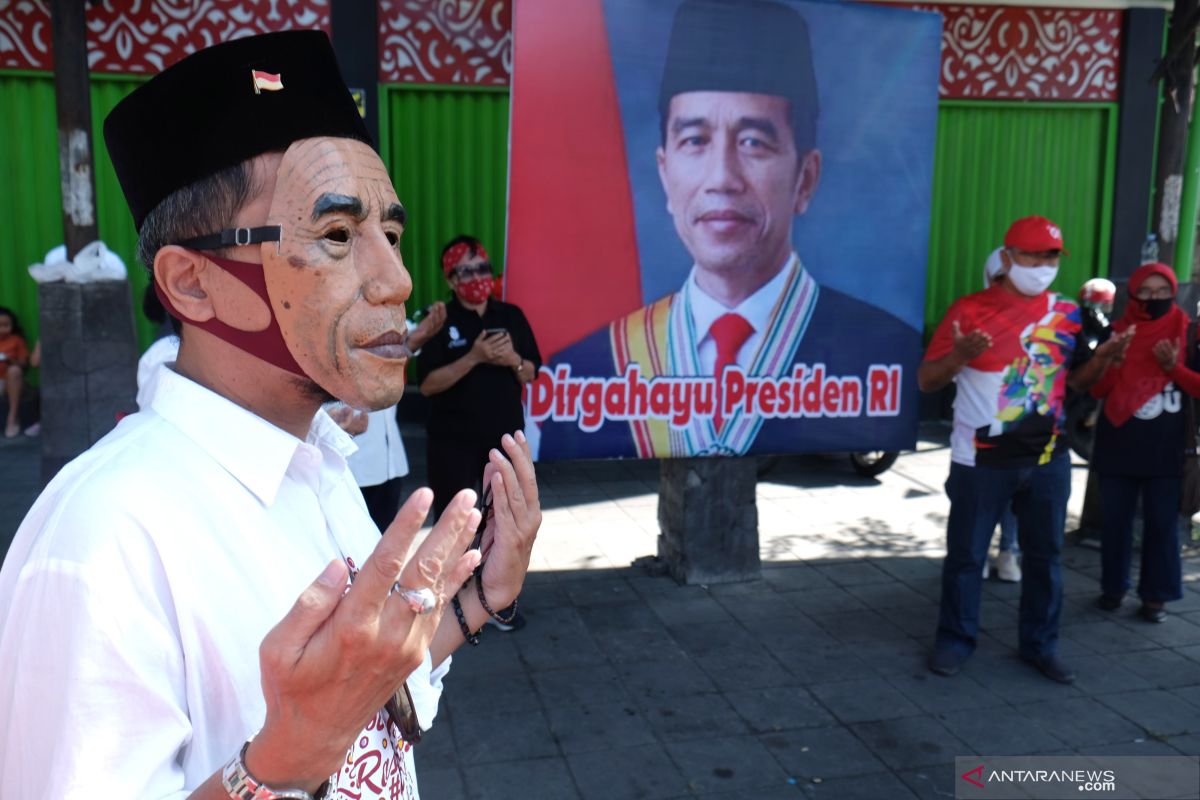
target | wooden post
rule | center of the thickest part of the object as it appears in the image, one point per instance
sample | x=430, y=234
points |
x=89, y=349
x=73, y=102
x=1178, y=73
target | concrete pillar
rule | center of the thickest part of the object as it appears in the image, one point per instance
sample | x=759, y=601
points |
x=89, y=366
x=708, y=519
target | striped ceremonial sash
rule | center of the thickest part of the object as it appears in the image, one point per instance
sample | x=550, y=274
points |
x=788, y=321
x=641, y=338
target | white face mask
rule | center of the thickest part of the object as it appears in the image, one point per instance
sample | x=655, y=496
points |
x=1032, y=281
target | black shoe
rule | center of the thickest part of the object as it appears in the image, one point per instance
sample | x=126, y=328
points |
x=946, y=662
x=1152, y=614
x=1052, y=668
x=1108, y=602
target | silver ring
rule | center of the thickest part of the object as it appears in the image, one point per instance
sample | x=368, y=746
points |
x=420, y=601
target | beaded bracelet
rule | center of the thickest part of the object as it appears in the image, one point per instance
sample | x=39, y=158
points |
x=511, y=610
x=472, y=638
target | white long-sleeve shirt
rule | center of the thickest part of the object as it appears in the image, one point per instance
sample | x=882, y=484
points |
x=140, y=585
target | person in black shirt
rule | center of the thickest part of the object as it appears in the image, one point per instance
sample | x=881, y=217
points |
x=472, y=371
x=1140, y=443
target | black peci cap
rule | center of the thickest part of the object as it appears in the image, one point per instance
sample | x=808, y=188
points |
x=743, y=46
x=223, y=105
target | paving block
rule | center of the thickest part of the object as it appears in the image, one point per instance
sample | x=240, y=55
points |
x=932, y=693
x=863, y=700
x=444, y=783
x=598, y=726
x=854, y=573
x=659, y=679
x=642, y=771
x=636, y=644
x=999, y=732
x=528, y=779
x=727, y=763
x=861, y=787
x=490, y=738
x=1159, y=712
x=1081, y=722
x=777, y=709
x=555, y=638
x=580, y=685
x=910, y=742
x=750, y=668
x=1162, y=668
x=692, y=716
x=824, y=753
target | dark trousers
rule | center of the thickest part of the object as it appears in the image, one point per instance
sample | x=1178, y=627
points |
x=978, y=498
x=454, y=465
x=383, y=501
x=1161, y=578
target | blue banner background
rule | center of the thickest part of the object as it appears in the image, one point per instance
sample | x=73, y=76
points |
x=866, y=231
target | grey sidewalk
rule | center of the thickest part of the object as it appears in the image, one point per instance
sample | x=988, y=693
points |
x=811, y=682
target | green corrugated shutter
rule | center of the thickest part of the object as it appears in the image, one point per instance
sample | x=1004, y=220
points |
x=447, y=151
x=996, y=161
x=32, y=200
x=31, y=203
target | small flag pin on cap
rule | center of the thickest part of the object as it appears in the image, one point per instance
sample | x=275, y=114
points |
x=266, y=81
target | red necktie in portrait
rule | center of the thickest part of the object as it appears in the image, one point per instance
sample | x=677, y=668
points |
x=730, y=332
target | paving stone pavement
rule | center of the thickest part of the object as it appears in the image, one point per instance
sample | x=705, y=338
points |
x=808, y=682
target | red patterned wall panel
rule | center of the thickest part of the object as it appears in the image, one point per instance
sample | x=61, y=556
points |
x=446, y=41
x=1002, y=53
x=144, y=36
x=988, y=52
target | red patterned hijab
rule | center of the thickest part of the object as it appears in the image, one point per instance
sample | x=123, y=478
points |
x=1140, y=377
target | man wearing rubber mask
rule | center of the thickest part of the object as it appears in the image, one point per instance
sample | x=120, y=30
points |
x=472, y=371
x=1012, y=350
x=211, y=564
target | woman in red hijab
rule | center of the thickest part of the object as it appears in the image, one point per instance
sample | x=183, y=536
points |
x=1140, y=443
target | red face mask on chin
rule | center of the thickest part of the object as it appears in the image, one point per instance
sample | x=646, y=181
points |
x=474, y=291
x=267, y=344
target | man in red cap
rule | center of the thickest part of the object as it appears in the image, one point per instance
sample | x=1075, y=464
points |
x=1012, y=350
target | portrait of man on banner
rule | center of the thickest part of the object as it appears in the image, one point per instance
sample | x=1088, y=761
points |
x=740, y=346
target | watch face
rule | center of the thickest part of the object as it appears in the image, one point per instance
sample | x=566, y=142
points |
x=241, y=785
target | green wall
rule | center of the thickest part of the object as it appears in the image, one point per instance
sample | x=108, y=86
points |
x=32, y=200
x=998, y=161
x=447, y=151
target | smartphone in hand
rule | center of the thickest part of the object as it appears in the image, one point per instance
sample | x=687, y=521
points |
x=489, y=332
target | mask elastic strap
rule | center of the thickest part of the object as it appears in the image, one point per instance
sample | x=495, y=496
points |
x=267, y=344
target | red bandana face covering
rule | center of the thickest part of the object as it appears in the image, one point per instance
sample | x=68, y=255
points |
x=474, y=291
x=266, y=344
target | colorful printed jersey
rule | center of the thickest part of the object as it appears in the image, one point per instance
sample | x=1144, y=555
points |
x=1010, y=405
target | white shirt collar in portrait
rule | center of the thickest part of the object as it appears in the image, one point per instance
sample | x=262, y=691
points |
x=756, y=309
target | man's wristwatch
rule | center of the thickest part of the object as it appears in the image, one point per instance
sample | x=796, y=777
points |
x=241, y=785
x=520, y=367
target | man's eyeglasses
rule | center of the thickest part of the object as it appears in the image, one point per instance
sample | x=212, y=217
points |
x=1163, y=293
x=472, y=271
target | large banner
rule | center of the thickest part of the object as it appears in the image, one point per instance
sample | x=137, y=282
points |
x=719, y=221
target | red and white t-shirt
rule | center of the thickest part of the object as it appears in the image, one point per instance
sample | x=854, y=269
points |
x=1010, y=404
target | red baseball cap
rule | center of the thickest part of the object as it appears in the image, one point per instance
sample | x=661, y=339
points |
x=1034, y=235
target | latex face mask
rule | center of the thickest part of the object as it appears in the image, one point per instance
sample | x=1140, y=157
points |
x=336, y=282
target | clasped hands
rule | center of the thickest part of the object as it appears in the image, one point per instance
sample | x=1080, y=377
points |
x=340, y=653
x=495, y=348
x=1166, y=352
